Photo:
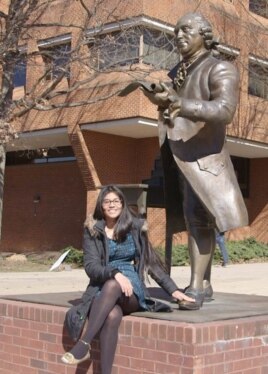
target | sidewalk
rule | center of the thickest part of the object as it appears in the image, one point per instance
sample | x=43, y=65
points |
x=247, y=279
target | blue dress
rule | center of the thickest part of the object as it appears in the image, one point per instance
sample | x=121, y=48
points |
x=121, y=257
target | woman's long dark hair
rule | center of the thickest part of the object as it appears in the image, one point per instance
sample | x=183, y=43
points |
x=124, y=224
x=124, y=221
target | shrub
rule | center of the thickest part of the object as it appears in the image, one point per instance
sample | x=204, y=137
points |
x=247, y=250
x=180, y=256
x=75, y=256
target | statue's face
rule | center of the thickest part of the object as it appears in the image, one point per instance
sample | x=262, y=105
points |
x=188, y=39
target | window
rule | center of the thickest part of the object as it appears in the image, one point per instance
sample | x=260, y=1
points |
x=158, y=49
x=132, y=46
x=57, y=60
x=116, y=49
x=259, y=7
x=241, y=167
x=40, y=156
x=258, y=78
x=19, y=77
x=155, y=193
x=225, y=57
x=227, y=53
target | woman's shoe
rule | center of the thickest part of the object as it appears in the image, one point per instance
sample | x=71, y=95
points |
x=68, y=358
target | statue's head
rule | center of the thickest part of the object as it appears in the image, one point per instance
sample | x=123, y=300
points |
x=193, y=34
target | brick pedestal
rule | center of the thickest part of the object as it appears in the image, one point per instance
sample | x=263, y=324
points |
x=32, y=341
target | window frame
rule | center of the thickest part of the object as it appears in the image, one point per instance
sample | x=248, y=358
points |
x=142, y=34
x=257, y=82
x=50, y=44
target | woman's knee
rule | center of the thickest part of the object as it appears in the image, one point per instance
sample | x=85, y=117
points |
x=114, y=317
x=111, y=285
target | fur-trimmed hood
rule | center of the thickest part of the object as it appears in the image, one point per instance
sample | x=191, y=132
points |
x=90, y=223
x=95, y=226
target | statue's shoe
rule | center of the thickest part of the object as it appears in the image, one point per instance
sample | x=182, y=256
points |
x=199, y=297
x=207, y=289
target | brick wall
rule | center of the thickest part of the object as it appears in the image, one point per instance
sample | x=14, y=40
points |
x=32, y=341
x=62, y=191
x=258, y=204
x=120, y=159
x=52, y=224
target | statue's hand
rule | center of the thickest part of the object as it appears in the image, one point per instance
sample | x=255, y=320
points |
x=160, y=96
x=157, y=98
x=172, y=111
x=174, y=107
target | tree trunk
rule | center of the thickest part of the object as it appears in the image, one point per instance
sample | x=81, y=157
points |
x=2, y=176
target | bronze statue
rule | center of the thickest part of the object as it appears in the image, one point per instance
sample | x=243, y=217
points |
x=201, y=187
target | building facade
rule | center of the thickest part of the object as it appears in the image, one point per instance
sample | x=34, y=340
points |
x=63, y=155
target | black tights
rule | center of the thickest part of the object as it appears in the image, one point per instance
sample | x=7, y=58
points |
x=105, y=316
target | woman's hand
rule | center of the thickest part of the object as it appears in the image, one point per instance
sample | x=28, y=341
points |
x=180, y=296
x=124, y=283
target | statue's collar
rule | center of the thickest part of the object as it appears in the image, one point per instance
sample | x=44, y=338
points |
x=189, y=65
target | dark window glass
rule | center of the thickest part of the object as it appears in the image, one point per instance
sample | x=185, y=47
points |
x=41, y=155
x=258, y=80
x=259, y=7
x=158, y=49
x=224, y=56
x=116, y=49
x=131, y=47
x=19, y=77
x=241, y=167
x=155, y=193
x=57, y=60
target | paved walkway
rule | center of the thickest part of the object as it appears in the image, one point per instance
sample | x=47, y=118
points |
x=247, y=279
x=240, y=291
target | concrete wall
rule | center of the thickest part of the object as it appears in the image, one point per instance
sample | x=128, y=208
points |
x=53, y=223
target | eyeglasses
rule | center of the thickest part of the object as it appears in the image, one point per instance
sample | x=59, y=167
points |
x=114, y=202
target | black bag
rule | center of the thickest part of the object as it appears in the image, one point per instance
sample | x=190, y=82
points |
x=157, y=306
x=75, y=319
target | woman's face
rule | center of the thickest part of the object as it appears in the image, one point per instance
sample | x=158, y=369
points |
x=112, y=206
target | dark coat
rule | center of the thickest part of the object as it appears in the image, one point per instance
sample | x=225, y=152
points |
x=96, y=257
x=197, y=144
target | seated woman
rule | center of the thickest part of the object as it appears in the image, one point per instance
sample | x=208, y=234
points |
x=116, y=255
